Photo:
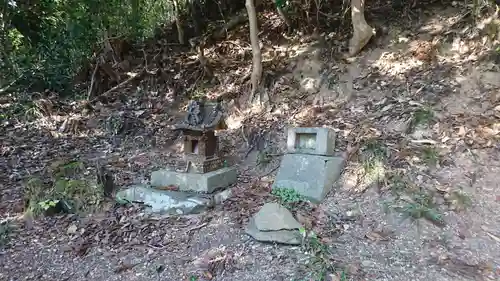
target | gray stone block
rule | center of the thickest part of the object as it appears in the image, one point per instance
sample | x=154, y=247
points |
x=166, y=202
x=311, y=140
x=312, y=176
x=205, y=183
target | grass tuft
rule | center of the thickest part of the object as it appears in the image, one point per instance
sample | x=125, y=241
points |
x=374, y=155
x=431, y=156
x=320, y=263
x=6, y=229
x=421, y=117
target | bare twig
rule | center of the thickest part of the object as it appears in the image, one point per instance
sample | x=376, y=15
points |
x=196, y=227
x=424, y=141
x=92, y=80
x=270, y=171
x=4, y=89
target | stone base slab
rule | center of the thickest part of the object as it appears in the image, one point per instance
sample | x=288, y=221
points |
x=172, y=202
x=204, y=183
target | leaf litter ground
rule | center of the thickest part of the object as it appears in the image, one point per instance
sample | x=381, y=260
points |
x=419, y=198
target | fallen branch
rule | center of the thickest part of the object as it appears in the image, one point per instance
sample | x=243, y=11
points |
x=4, y=89
x=232, y=23
x=92, y=80
x=128, y=80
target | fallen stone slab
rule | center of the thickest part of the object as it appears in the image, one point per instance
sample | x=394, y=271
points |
x=274, y=223
x=205, y=183
x=312, y=176
x=290, y=237
x=171, y=202
x=273, y=216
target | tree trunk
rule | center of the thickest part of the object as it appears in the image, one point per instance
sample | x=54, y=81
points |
x=178, y=23
x=136, y=15
x=284, y=17
x=193, y=6
x=362, y=32
x=256, y=95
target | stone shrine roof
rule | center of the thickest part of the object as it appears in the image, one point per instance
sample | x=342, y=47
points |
x=202, y=116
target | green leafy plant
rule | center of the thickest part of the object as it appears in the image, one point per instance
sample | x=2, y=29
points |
x=48, y=42
x=68, y=186
x=421, y=117
x=47, y=204
x=287, y=195
x=6, y=229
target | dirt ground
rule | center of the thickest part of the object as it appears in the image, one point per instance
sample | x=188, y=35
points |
x=412, y=116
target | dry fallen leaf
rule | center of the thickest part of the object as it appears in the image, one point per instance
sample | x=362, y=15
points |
x=333, y=277
x=72, y=229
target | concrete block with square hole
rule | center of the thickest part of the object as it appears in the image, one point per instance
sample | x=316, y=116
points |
x=311, y=140
x=310, y=168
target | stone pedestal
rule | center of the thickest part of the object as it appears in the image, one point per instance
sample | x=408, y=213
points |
x=310, y=167
x=204, y=183
x=312, y=176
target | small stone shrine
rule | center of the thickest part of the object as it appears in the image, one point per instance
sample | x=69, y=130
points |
x=204, y=171
x=201, y=145
x=310, y=166
x=204, y=180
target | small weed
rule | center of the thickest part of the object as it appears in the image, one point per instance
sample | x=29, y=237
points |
x=421, y=117
x=422, y=207
x=458, y=200
x=193, y=278
x=398, y=185
x=69, y=169
x=419, y=206
x=47, y=204
x=430, y=155
x=287, y=195
x=374, y=155
x=320, y=263
x=6, y=229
